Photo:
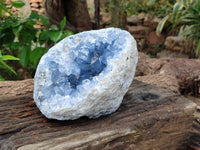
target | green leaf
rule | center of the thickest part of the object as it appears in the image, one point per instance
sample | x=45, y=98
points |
x=36, y=54
x=55, y=36
x=188, y=2
x=3, y=7
x=18, y=4
x=27, y=34
x=17, y=29
x=177, y=7
x=2, y=35
x=34, y=15
x=66, y=33
x=24, y=56
x=63, y=24
x=1, y=78
x=8, y=37
x=45, y=20
x=54, y=27
x=15, y=45
x=44, y=35
x=8, y=69
x=6, y=24
x=161, y=24
x=9, y=57
x=17, y=23
x=198, y=48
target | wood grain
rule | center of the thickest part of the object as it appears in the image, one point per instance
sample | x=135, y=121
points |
x=149, y=118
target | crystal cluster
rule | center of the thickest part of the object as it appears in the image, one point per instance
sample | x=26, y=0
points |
x=86, y=74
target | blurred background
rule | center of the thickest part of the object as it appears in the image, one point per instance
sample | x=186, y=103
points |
x=162, y=28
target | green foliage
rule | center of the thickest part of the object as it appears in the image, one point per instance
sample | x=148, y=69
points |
x=18, y=4
x=44, y=19
x=176, y=9
x=19, y=37
x=191, y=23
x=159, y=8
x=131, y=7
x=63, y=24
x=5, y=66
x=174, y=17
x=161, y=24
x=186, y=13
x=3, y=8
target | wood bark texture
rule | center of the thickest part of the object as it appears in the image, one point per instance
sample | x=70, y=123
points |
x=76, y=13
x=119, y=15
x=149, y=118
x=194, y=141
x=97, y=13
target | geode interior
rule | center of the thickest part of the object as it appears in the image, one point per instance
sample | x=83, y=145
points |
x=86, y=74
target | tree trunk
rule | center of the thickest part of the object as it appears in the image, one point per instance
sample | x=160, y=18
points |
x=97, y=13
x=119, y=15
x=77, y=14
x=75, y=11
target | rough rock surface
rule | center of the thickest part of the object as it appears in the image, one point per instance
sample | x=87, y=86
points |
x=86, y=74
x=178, y=75
x=133, y=20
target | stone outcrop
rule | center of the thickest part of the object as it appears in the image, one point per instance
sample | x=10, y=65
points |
x=178, y=74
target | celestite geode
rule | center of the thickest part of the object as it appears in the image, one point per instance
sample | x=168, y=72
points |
x=86, y=74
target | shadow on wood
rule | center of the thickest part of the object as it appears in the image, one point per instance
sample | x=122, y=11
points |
x=149, y=118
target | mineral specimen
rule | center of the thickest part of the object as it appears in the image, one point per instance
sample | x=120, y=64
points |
x=86, y=74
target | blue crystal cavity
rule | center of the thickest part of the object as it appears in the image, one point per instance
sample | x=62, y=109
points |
x=89, y=59
x=74, y=66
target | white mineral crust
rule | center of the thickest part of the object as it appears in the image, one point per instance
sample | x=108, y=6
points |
x=86, y=74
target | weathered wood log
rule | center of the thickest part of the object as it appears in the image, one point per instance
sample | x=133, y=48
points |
x=194, y=141
x=16, y=88
x=149, y=118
